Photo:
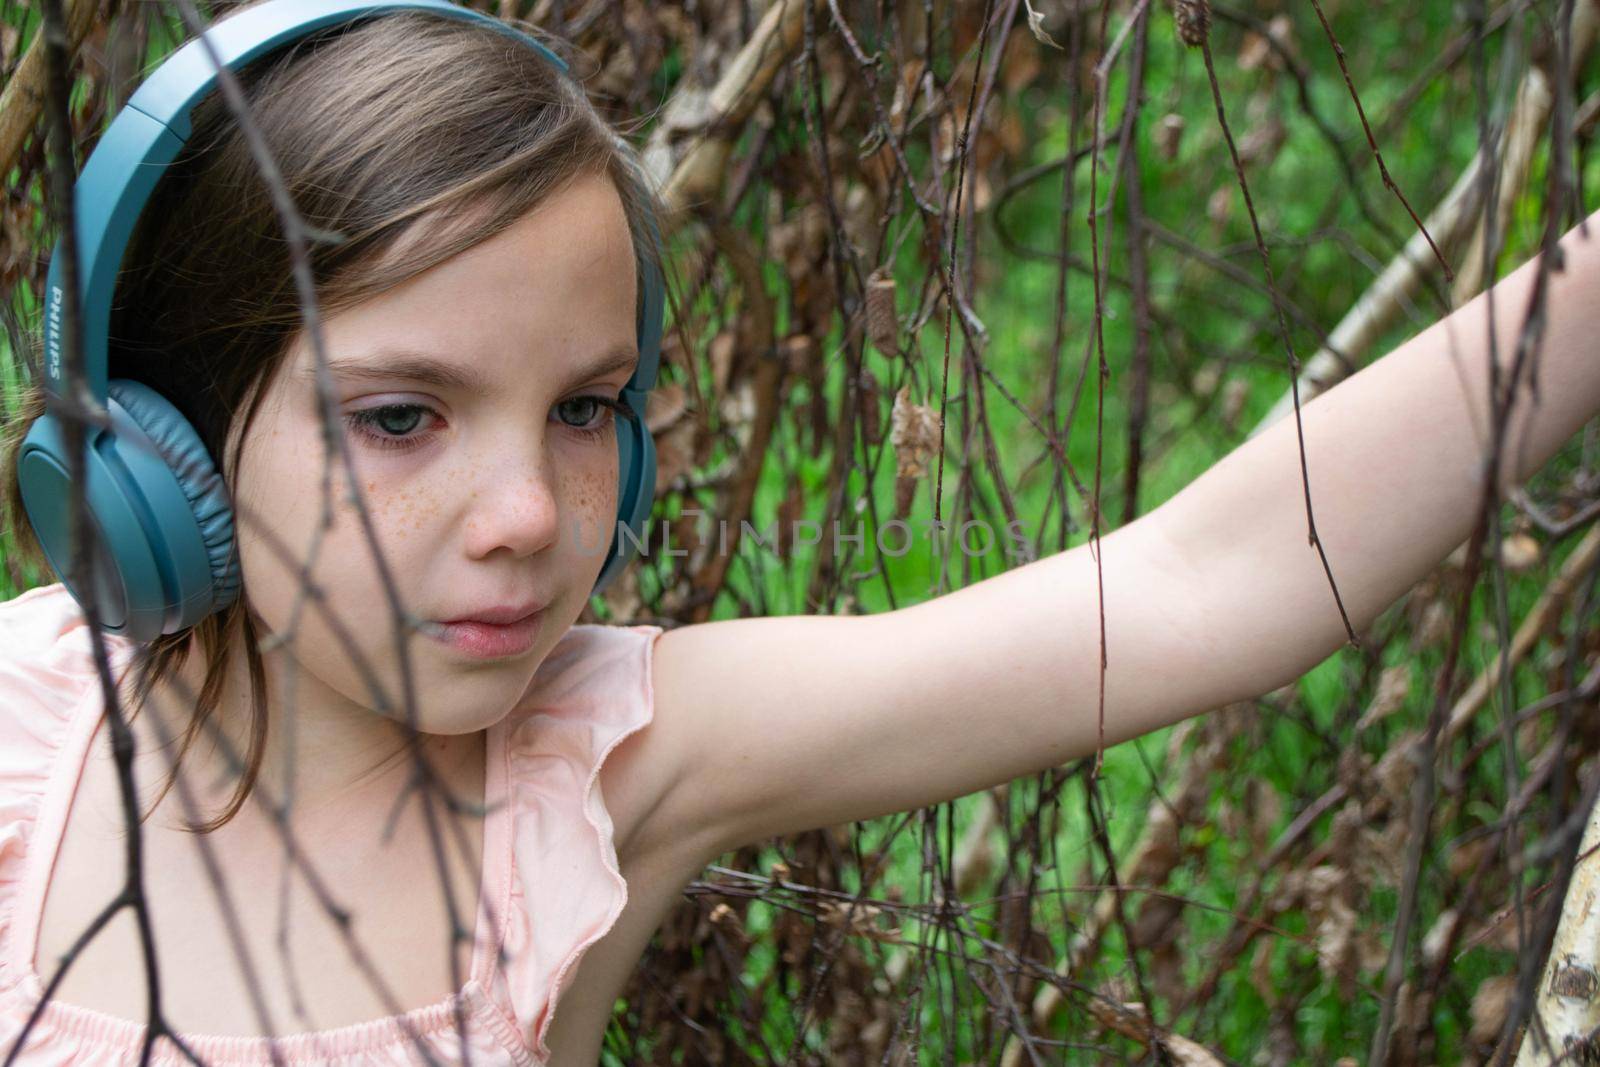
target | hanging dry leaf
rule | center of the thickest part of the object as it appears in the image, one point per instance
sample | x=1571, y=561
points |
x=1437, y=622
x=914, y=433
x=674, y=454
x=1265, y=811
x=1156, y=920
x=669, y=402
x=1489, y=1006
x=1393, y=686
x=1036, y=24
x=1253, y=51
x=1219, y=205
x=905, y=491
x=1131, y=1019
x=738, y=405
x=1235, y=395
x=1169, y=135
x=883, y=326
x=1160, y=847
x=1336, y=946
x=1438, y=937
x=721, y=352
x=859, y=919
x=860, y=216
x=798, y=352
x=1193, y=18
x=1256, y=49
x=1261, y=142
x=1519, y=552
x=1397, y=769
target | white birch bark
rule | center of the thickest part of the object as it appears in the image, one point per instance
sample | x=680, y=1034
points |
x=1566, y=1011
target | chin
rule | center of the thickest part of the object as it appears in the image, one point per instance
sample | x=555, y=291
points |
x=450, y=729
x=452, y=701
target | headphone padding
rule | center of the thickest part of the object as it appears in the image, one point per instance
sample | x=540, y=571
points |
x=178, y=444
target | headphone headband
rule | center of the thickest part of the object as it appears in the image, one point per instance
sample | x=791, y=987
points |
x=151, y=130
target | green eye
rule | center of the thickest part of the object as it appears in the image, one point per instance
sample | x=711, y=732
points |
x=616, y=405
x=398, y=421
x=390, y=426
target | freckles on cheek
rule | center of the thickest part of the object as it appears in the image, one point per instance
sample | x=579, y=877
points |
x=593, y=499
x=397, y=512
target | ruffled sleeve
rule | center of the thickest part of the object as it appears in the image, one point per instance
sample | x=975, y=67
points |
x=47, y=673
x=592, y=692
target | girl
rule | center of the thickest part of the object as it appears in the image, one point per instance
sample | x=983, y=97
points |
x=492, y=273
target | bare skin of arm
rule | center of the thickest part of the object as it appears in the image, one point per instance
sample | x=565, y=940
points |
x=770, y=725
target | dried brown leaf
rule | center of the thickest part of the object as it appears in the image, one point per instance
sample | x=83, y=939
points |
x=1169, y=135
x=1520, y=552
x=1193, y=18
x=1489, y=1007
x=1439, y=935
x=914, y=434
x=1036, y=24
x=721, y=353
x=1394, y=684
x=883, y=324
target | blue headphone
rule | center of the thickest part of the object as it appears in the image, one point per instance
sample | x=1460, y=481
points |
x=160, y=510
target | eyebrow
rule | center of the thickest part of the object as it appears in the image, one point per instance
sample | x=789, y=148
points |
x=392, y=364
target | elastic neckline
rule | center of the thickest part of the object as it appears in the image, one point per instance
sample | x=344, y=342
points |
x=95, y=1025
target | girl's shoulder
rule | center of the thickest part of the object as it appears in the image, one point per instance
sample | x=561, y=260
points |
x=46, y=623
x=36, y=619
x=47, y=678
x=47, y=656
x=47, y=674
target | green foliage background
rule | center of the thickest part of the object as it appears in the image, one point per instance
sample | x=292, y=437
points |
x=1222, y=338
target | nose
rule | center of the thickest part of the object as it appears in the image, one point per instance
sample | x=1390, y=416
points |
x=514, y=509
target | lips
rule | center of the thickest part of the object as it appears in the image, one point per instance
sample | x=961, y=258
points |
x=483, y=640
x=500, y=614
x=493, y=632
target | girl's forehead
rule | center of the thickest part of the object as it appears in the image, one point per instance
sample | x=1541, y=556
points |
x=458, y=373
x=553, y=294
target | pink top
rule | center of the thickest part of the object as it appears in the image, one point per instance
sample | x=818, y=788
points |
x=547, y=840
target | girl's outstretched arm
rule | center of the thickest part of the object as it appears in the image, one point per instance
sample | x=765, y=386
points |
x=770, y=725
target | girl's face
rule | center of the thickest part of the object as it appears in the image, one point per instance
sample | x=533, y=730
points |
x=473, y=402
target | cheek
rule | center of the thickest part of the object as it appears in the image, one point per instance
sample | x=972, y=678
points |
x=588, y=494
x=593, y=490
x=343, y=638
x=284, y=526
x=278, y=497
x=400, y=515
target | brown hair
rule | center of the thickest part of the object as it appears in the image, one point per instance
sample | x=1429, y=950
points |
x=437, y=130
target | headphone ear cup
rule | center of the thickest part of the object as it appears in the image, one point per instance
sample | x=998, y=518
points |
x=159, y=518
x=636, y=489
x=204, y=562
